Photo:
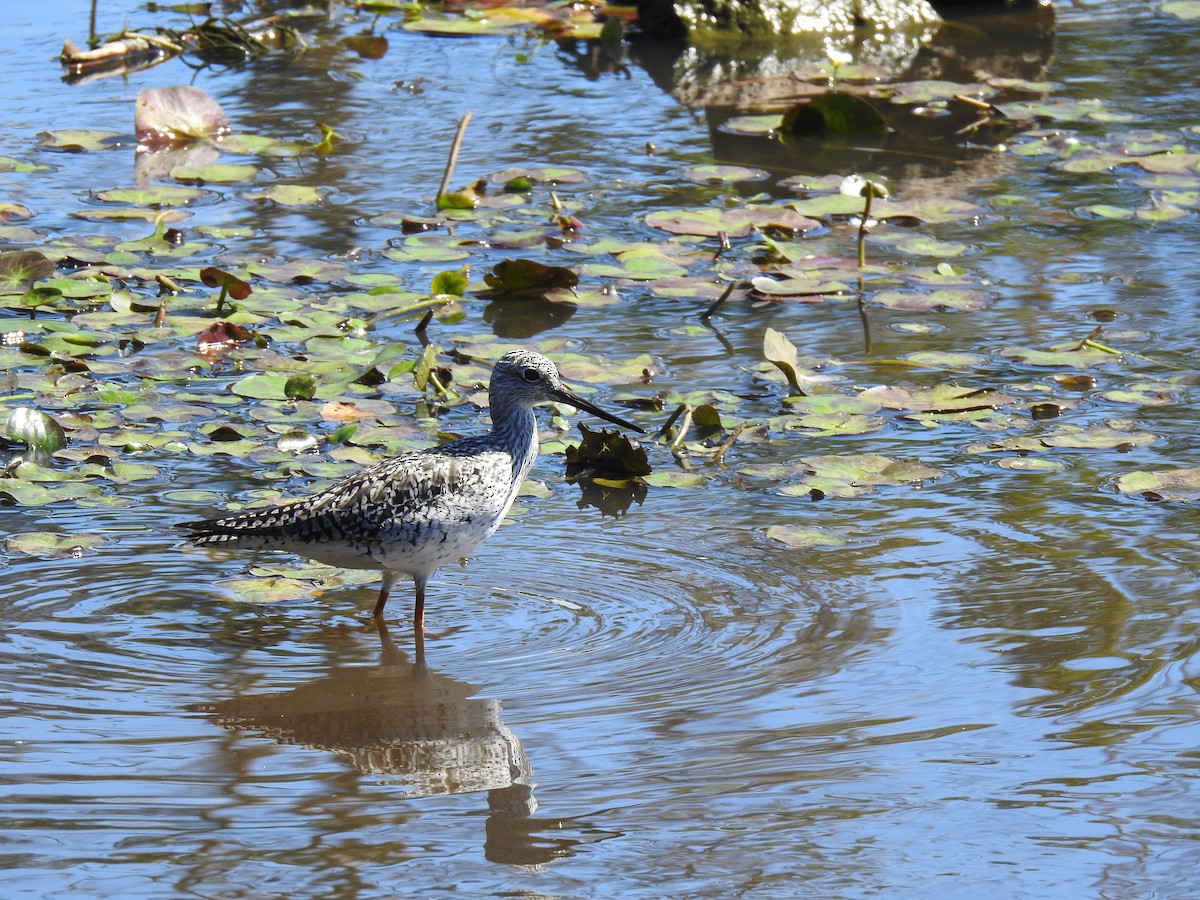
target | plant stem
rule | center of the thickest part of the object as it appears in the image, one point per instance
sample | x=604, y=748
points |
x=454, y=148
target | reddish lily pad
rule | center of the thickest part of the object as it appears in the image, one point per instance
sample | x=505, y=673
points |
x=166, y=117
x=19, y=269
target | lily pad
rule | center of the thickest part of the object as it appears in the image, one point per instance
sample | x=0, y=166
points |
x=287, y=195
x=216, y=173
x=609, y=452
x=158, y=195
x=718, y=174
x=834, y=112
x=275, y=589
x=165, y=117
x=1098, y=438
x=50, y=545
x=940, y=300
x=19, y=269
x=1166, y=484
x=735, y=222
x=781, y=353
x=76, y=140
x=37, y=430
x=851, y=475
x=1074, y=354
x=801, y=538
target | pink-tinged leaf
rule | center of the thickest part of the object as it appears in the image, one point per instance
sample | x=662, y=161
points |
x=220, y=337
x=166, y=117
x=236, y=288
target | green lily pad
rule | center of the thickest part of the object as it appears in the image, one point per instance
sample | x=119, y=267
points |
x=216, y=173
x=940, y=300
x=641, y=264
x=718, y=174
x=287, y=195
x=1145, y=394
x=8, y=164
x=1074, y=354
x=1166, y=484
x=735, y=222
x=923, y=92
x=938, y=359
x=275, y=589
x=1098, y=438
x=1181, y=9
x=158, y=195
x=1030, y=464
x=542, y=174
x=49, y=545
x=814, y=285
x=29, y=493
x=37, y=430
x=851, y=475
x=801, y=538
x=76, y=140
x=938, y=399
x=753, y=125
x=684, y=480
x=834, y=112
x=300, y=271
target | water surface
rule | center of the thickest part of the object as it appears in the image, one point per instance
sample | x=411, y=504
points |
x=993, y=690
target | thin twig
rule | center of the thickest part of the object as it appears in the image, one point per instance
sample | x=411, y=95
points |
x=454, y=148
x=684, y=427
x=719, y=456
x=716, y=304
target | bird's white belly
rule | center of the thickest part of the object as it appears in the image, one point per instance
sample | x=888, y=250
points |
x=433, y=549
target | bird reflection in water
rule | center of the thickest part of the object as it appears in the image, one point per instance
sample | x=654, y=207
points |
x=424, y=730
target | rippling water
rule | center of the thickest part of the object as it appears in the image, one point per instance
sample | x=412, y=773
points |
x=991, y=692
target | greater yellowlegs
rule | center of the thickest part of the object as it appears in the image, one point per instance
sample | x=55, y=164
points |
x=414, y=513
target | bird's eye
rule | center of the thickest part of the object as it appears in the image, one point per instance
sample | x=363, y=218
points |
x=531, y=375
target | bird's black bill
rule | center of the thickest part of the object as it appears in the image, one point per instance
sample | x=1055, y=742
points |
x=567, y=396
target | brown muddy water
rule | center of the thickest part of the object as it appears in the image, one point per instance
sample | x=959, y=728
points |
x=989, y=690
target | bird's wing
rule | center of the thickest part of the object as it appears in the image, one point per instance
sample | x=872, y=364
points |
x=384, y=502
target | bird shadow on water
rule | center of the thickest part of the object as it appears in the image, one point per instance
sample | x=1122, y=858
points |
x=402, y=723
